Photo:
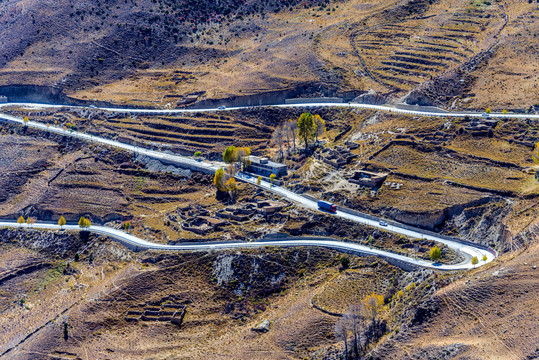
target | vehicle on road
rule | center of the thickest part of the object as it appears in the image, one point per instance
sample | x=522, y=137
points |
x=222, y=107
x=324, y=205
x=382, y=223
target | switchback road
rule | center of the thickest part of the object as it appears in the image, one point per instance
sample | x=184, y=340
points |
x=468, y=249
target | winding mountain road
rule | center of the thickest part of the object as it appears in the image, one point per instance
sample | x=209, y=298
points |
x=140, y=244
x=466, y=248
x=385, y=108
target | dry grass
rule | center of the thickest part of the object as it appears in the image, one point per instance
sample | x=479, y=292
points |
x=433, y=165
x=97, y=326
x=493, y=314
x=417, y=196
x=351, y=44
x=352, y=286
x=495, y=149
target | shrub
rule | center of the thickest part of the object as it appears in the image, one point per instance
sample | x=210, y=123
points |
x=345, y=262
x=435, y=253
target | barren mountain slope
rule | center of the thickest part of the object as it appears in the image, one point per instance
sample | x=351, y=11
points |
x=491, y=314
x=132, y=51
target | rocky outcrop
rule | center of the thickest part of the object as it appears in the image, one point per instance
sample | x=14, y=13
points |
x=371, y=97
x=523, y=239
x=482, y=223
x=436, y=219
x=479, y=221
x=239, y=273
x=417, y=97
x=52, y=242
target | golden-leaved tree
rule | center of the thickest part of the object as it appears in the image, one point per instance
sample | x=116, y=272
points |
x=306, y=128
x=84, y=223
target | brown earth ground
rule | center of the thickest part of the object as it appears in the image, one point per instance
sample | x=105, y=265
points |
x=490, y=314
x=486, y=313
x=63, y=177
x=456, y=177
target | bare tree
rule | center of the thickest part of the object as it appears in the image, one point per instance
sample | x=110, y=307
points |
x=278, y=139
x=286, y=132
x=350, y=328
x=356, y=321
x=292, y=128
x=341, y=332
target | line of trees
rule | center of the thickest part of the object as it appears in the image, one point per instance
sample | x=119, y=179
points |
x=307, y=128
x=83, y=222
x=237, y=159
x=29, y=221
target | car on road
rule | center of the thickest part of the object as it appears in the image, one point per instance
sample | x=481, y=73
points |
x=92, y=107
x=382, y=223
x=222, y=107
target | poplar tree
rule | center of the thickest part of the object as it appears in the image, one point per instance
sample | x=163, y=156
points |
x=306, y=128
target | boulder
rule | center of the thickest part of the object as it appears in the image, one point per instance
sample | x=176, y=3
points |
x=264, y=326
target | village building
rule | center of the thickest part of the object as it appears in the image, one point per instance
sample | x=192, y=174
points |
x=265, y=167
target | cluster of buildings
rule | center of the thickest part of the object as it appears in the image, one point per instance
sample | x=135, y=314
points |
x=264, y=167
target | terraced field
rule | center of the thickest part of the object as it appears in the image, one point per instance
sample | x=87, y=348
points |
x=480, y=173
x=206, y=133
x=397, y=48
x=403, y=55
